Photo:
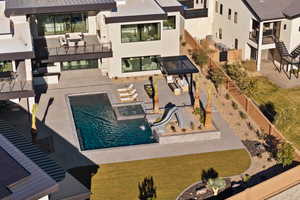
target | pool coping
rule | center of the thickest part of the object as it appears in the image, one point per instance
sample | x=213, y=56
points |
x=75, y=134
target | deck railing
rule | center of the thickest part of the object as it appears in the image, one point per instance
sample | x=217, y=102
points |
x=68, y=50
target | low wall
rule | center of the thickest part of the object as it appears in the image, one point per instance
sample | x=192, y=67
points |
x=189, y=137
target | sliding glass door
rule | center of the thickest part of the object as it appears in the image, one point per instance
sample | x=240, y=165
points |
x=80, y=64
x=62, y=23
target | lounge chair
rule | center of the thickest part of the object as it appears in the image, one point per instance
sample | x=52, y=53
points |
x=130, y=87
x=130, y=98
x=183, y=84
x=129, y=93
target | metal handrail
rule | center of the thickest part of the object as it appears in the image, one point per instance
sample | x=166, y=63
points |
x=68, y=50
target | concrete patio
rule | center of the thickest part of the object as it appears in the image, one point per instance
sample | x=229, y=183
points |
x=281, y=79
x=56, y=125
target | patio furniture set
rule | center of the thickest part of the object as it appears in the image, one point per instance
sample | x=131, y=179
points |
x=128, y=94
x=72, y=40
x=178, y=85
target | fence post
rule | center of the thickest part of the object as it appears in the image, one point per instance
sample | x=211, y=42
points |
x=246, y=104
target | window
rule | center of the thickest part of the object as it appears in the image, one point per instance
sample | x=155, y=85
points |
x=170, y=23
x=140, y=32
x=236, y=43
x=284, y=27
x=235, y=17
x=299, y=29
x=62, y=23
x=217, y=7
x=80, y=64
x=229, y=14
x=220, y=34
x=221, y=9
x=137, y=64
x=6, y=66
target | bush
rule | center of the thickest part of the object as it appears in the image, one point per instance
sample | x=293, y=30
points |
x=227, y=96
x=242, y=115
x=183, y=44
x=285, y=154
x=246, y=178
x=234, y=105
x=200, y=57
x=216, y=76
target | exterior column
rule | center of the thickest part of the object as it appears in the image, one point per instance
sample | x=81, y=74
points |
x=259, y=45
x=30, y=103
x=14, y=68
x=28, y=69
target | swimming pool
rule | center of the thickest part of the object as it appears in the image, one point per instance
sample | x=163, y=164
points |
x=98, y=128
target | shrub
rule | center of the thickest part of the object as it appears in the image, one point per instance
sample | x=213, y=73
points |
x=200, y=57
x=234, y=105
x=242, y=115
x=173, y=128
x=196, y=111
x=216, y=185
x=285, y=154
x=250, y=126
x=183, y=43
x=246, y=178
x=216, y=76
x=227, y=96
x=192, y=125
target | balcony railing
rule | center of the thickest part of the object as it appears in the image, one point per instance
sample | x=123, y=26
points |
x=195, y=13
x=67, y=50
x=268, y=36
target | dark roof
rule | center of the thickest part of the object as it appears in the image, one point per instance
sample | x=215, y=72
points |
x=32, y=152
x=177, y=65
x=11, y=172
x=21, y=7
x=293, y=10
x=273, y=9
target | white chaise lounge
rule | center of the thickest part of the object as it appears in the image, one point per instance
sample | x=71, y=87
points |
x=127, y=89
x=130, y=98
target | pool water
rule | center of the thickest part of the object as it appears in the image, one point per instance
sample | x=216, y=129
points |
x=97, y=126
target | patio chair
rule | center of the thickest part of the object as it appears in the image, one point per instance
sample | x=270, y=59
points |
x=129, y=93
x=183, y=84
x=129, y=99
x=63, y=41
x=130, y=87
x=170, y=79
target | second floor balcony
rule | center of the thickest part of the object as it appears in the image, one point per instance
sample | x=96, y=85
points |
x=268, y=36
x=72, y=47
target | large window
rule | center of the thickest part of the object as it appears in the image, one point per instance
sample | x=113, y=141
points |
x=137, y=64
x=80, y=64
x=169, y=23
x=6, y=66
x=62, y=23
x=140, y=32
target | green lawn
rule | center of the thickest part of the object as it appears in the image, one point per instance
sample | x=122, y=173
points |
x=171, y=175
x=286, y=103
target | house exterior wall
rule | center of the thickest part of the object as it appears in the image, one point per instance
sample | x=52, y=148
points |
x=168, y=45
x=294, y=34
x=231, y=30
x=199, y=28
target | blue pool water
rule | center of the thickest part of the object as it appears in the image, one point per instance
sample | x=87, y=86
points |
x=97, y=126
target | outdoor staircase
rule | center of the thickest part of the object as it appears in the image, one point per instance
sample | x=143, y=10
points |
x=296, y=52
x=280, y=46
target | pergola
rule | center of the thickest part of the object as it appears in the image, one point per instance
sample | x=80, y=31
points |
x=178, y=65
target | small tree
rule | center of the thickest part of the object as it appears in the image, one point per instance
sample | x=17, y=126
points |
x=216, y=76
x=216, y=185
x=197, y=92
x=155, y=94
x=200, y=57
x=285, y=154
x=208, y=110
x=33, y=123
x=147, y=189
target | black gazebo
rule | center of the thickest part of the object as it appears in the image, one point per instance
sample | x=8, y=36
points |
x=178, y=65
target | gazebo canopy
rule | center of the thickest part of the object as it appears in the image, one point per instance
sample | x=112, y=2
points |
x=177, y=65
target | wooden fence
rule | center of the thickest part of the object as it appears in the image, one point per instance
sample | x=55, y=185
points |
x=247, y=104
